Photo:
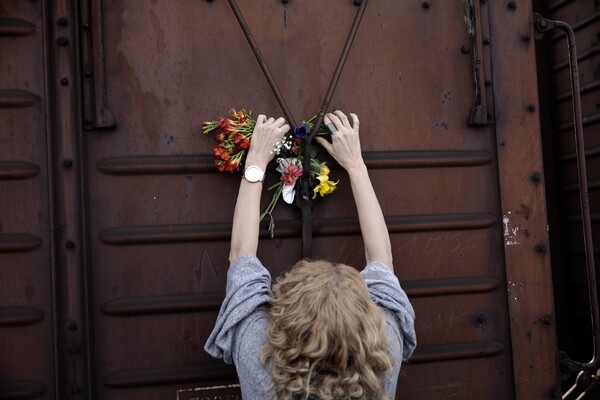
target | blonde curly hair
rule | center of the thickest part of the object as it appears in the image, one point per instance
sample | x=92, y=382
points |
x=326, y=337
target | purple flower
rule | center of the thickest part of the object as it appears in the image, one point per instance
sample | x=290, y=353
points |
x=301, y=131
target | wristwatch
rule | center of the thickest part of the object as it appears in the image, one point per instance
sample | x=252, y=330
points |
x=253, y=174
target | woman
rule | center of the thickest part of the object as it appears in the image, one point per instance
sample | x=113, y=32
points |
x=324, y=331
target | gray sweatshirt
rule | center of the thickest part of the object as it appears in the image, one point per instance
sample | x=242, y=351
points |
x=240, y=331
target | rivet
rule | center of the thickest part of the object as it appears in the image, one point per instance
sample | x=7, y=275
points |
x=87, y=73
x=536, y=177
x=488, y=83
x=72, y=326
x=426, y=5
x=486, y=41
x=74, y=349
x=67, y=163
x=63, y=21
x=69, y=244
x=541, y=24
x=62, y=41
x=465, y=50
x=546, y=320
x=75, y=389
x=64, y=81
x=512, y=5
x=480, y=320
x=540, y=248
x=530, y=107
x=85, y=27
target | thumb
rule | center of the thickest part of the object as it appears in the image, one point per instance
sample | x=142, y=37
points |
x=325, y=144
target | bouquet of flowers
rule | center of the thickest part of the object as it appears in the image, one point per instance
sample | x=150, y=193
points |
x=234, y=135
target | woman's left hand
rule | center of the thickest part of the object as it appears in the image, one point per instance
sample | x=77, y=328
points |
x=267, y=133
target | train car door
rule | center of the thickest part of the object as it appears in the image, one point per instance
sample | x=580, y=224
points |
x=447, y=99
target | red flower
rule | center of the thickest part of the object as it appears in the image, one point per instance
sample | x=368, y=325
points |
x=290, y=174
x=226, y=125
x=239, y=115
x=233, y=164
x=242, y=141
x=221, y=153
x=297, y=146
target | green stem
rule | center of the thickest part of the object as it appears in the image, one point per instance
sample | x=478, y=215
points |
x=269, y=210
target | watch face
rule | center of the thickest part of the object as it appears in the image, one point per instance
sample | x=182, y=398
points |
x=253, y=174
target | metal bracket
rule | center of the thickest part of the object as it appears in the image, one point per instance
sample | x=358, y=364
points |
x=568, y=366
x=96, y=114
x=304, y=182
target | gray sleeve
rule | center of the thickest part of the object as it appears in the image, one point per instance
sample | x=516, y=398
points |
x=385, y=291
x=248, y=287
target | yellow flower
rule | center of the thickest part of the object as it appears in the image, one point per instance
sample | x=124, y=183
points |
x=325, y=186
x=324, y=170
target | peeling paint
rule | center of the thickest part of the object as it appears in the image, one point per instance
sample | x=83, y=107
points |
x=510, y=232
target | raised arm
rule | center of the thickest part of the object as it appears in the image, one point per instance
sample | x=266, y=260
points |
x=246, y=217
x=345, y=148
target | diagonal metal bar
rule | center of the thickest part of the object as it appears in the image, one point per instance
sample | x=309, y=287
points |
x=262, y=63
x=306, y=203
x=305, y=181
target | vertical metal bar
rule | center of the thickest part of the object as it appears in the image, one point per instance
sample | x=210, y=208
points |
x=96, y=112
x=543, y=25
x=68, y=230
x=583, y=190
x=262, y=63
x=305, y=185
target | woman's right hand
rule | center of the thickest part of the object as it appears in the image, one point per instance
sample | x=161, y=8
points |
x=267, y=133
x=345, y=143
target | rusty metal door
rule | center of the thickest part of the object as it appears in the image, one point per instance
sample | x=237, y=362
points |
x=447, y=100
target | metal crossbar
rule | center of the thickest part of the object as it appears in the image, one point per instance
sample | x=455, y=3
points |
x=306, y=203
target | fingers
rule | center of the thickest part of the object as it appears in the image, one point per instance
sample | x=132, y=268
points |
x=341, y=122
x=355, y=122
x=343, y=119
x=326, y=145
x=279, y=122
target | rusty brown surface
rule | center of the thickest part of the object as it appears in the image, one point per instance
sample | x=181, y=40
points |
x=149, y=217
